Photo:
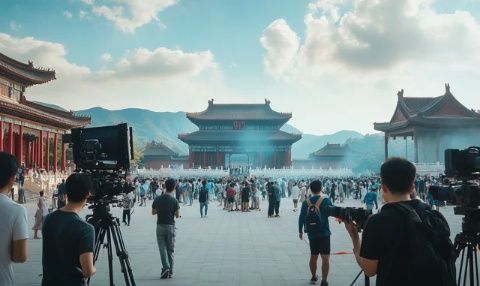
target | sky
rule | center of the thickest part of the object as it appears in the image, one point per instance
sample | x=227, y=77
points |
x=335, y=64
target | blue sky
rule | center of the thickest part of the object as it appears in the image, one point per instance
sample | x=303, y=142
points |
x=315, y=58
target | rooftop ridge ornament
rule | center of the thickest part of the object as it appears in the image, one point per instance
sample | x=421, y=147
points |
x=400, y=93
x=447, y=89
x=267, y=102
x=210, y=102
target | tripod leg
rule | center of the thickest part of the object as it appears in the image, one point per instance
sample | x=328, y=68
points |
x=356, y=278
x=110, y=256
x=122, y=255
x=476, y=264
x=100, y=236
x=461, y=267
x=471, y=263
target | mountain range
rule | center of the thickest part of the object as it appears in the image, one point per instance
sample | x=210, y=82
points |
x=165, y=127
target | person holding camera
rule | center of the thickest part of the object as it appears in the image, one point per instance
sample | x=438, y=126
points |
x=406, y=243
x=314, y=218
x=166, y=208
x=69, y=241
x=13, y=222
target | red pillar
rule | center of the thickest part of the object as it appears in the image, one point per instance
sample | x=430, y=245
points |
x=40, y=151
x=1, y=136
x=20, y=145
x=64, y=157
x=47, y=153
x=55, y=152
x=10, y=146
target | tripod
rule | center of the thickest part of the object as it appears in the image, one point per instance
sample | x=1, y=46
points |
x=466, y=243
x=107, y=225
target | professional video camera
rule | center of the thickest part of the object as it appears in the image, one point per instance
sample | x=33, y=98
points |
x=461, y=188
x=349, y=214
x=105, y=153
x=462, y=168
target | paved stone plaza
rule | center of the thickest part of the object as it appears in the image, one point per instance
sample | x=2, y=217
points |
x=227, y=248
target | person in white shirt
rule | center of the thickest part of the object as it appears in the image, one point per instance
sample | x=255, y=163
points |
x=295, y=195
x=13, y=222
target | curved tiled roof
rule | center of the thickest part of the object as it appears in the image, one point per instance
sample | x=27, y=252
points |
x=424, y=111
x=239, y=136
x=158, y=149
x=42, y=114
x=27, y=73
x=238, y=112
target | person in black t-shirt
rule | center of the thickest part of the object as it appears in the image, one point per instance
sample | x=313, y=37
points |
x=203, y=198
x=68, y=241
x=166, y=208
x=384, y=249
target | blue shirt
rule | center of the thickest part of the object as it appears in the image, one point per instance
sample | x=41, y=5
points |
x=323, y=214
x=370, y=198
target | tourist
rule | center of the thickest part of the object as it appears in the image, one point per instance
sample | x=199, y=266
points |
x=203, y=198
x=13, y=222
x=295, y=192
x=61, y=195
x=256, y=195
x=231, y=192
x=189, y=192
x=391, y=237
x=42, y=211
x=21, y=195
x=143, y=192
x=318, y=233
x=127, y=203
x=166, y=208
x=69, y=241
x=272, y=200
x=245, y=197
x=370, y=199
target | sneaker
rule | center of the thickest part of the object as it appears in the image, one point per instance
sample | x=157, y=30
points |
x=170, y=274
x=165, y=273
x=324, y=283
x=314, y=279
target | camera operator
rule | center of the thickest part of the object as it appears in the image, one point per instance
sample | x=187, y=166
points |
x=68, y=241
x=397, y=245
x=319, y=236
x=166, y=208
x=13, y=223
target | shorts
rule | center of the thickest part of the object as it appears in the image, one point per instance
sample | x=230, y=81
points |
x=320, y=245
x=231, y=200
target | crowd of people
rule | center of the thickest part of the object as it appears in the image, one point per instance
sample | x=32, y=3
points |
x=242, y=194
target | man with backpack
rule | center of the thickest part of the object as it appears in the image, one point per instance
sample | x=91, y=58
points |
x=314, y=218
x=406, y=243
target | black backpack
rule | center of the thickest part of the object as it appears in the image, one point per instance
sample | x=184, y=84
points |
x=431, y=252
x=313, y=218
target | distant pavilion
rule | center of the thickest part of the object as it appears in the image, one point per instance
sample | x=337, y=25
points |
x=230, y=135
x=28, y=130
x=434, y=123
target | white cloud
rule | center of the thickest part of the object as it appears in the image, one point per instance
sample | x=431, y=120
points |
x=14, y=26
x=153, y=76
x=374, y=36
x=67, y=14
x=106, y=57
x=129, y=15
x=82, y=14
x=282, y=44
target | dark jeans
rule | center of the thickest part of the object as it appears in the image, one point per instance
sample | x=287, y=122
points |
x=126, y=215
x=203, y=205
x=273, y=206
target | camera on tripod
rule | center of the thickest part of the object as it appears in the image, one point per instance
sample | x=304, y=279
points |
x=349, y=214
x=104, y=153
x=462, y=168
x=461, y=188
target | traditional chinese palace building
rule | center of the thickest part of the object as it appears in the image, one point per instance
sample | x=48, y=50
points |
x=332, y=156
x=31, y=131
x=434, y=123
x=158, y=155
x=239, y=133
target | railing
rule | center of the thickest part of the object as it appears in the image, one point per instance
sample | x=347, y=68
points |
x=259, y=172
x=432, y=169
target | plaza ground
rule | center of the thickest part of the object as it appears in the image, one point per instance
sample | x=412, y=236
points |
x=226, y=248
